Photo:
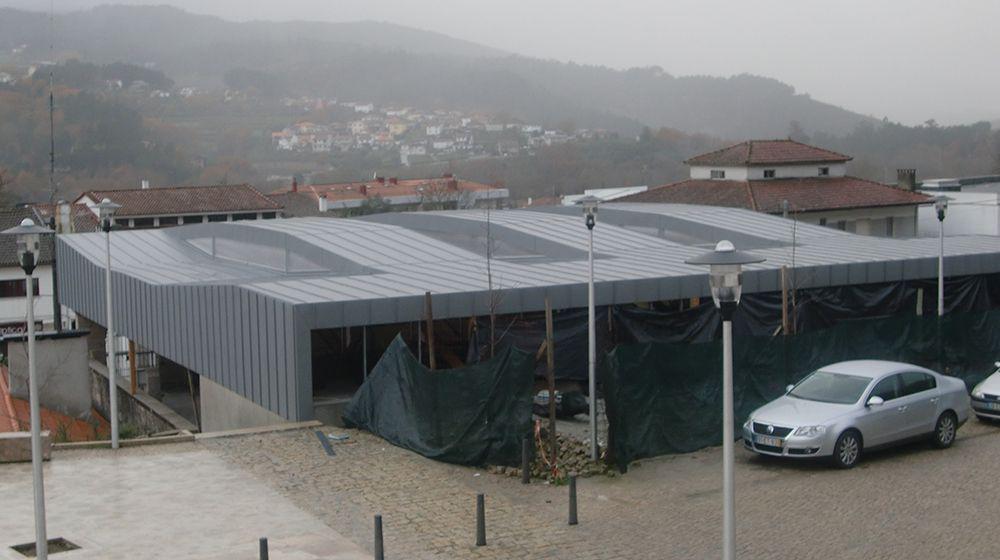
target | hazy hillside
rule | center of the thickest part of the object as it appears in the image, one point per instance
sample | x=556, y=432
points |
x=390, y=63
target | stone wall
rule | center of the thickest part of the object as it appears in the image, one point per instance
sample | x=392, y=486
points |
x=143, y=412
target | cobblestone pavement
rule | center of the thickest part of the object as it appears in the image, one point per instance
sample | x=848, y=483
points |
x=913, y=502
x=175, y=502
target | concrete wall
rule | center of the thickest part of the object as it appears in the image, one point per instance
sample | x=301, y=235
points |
x=63, y=377
x=222, y=409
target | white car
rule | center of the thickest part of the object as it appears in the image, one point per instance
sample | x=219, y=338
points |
x=986, y=397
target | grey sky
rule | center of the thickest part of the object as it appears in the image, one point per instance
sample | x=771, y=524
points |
x=908, y=60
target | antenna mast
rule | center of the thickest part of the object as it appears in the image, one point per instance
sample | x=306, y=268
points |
x=52, y=105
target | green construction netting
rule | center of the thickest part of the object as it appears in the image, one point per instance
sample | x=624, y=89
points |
x=473, y=415
x=667, y=398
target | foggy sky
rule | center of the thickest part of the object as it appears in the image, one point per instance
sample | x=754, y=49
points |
x=909, y=61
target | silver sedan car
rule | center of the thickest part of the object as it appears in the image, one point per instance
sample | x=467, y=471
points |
x=844, y=408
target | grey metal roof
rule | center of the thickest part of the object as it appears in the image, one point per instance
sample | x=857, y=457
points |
x=218, y=296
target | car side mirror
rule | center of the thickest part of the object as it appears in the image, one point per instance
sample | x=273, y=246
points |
x=788, y=388
x=997, y=364
x=875, y=401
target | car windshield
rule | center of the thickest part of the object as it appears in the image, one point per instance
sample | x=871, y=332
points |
x=829, y=387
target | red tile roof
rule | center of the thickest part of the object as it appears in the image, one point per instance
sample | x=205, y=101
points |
x=811, y=194
x=767, y=152
x=84, y=219
x=164, y=201
x=386, y=188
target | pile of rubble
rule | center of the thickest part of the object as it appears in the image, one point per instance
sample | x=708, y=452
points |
x=574, y=457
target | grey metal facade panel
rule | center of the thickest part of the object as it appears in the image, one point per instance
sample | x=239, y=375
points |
x=195, y=326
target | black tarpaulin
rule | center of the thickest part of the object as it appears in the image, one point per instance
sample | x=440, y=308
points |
x=666, y=398
x=473, y=415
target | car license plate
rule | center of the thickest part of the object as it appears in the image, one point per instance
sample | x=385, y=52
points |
x=768, y=440
x=993, y=405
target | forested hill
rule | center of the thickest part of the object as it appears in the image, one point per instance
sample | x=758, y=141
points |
x=389, y=63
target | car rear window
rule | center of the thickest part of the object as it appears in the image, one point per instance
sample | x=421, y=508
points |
x=829, y=387
x=916, y=382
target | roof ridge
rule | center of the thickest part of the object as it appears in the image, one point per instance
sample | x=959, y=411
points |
x=724, y=148
x=172, y=188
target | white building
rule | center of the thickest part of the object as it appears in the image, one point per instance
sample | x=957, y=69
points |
x=973, y=206
x=803, y=182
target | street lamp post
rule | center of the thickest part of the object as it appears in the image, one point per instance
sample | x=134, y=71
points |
x=725, y=277
x=941, y=206
x=28, y=245
x=106, y=210
x=590, y=204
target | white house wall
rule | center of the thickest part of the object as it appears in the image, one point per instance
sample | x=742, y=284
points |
x=780, y=171
x=969, y=213
x=13, y=310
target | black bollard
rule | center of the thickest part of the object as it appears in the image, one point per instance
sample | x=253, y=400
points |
x=525, y=461
x=572, y=499
x=379, y=549
x=263, y=548
x=480, y=520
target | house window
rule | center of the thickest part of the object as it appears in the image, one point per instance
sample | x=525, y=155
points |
x=168, y=221
x=142, y=223
x=269, y=215
x=16, y=288
x=217, y=218
x=769, y=174
x=842, y=225
x=718, y=174
x=193, y=219
x=824, y=171
x=249, y=216
x=822, y=221
x=890, y=227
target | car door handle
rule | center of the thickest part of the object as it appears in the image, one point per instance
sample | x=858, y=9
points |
x=934, y=400
x=902, y=408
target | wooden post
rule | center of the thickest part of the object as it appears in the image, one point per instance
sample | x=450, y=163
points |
x=784, y=300
x=194, y=401
x=429, y=317
x=131, y=366
x=551, y=377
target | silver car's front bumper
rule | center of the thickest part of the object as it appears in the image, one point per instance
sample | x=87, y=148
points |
x=790, y=446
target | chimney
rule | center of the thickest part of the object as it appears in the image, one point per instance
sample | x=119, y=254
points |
x=393, y=180
x=380, y=180
x=364, y=190
x=145, y=184
x=452, y=184
x=324, y=205
x=906, y=179
x=64, y=220
x=295, y=184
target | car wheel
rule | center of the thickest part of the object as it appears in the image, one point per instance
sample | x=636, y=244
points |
x=847, y=450
x=945, y=430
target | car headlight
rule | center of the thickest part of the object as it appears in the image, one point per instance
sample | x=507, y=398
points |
x=977, y=392
x=810, y=431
